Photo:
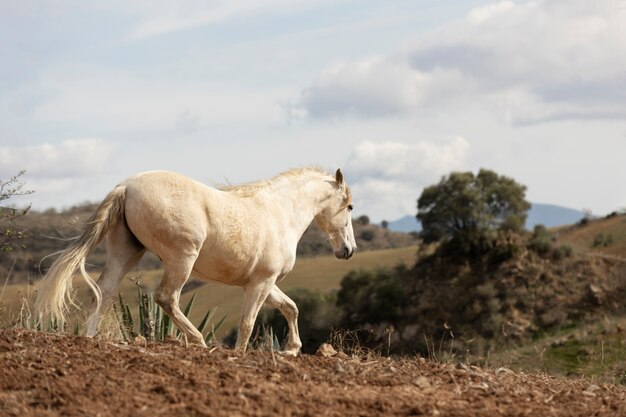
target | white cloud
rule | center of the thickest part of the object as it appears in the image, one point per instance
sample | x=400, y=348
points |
x=407, y=161
x=527, y=63
x=57, y=162
x=384, y=199
x=370, y=88
x=389, y=176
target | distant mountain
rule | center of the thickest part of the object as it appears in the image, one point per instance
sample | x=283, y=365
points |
x=547, y=214
x=405, y=224
x=550, y=215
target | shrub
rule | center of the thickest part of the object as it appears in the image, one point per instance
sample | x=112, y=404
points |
x=373, y=297
x=601, y=240
x=540, y=241
x=504, y=252
x=367, y=235
x=363, y=220
x=10, y=232
x=563, y=251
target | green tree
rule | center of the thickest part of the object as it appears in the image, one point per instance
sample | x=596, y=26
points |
x=471, y=212
x=363, y=220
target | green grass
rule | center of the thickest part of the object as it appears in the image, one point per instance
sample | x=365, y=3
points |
x=596, y=350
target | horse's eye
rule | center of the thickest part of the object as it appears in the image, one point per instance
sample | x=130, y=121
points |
x=350, y=207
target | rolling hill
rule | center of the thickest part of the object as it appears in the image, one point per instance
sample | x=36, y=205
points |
x=605, y=236
x=315, y=273
x=50, y=231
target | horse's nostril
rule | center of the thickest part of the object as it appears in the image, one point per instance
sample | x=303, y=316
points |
x=346, y=253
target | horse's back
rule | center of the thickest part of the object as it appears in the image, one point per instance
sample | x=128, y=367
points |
x=167, y=210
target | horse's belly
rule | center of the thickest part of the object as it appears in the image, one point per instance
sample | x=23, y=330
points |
x=227, y=269
x=227, y=278
x=236, y=267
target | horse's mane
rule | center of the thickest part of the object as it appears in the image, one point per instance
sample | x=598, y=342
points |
x=252, y=188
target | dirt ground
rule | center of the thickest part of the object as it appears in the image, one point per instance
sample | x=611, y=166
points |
x=51, y=375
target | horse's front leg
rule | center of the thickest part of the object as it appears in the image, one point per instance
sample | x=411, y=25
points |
x=254, y=295
x=289, y=310
x=176, y=273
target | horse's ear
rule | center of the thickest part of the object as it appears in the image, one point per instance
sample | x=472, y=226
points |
x=339, y=177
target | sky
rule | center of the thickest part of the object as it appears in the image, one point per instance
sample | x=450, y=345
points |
x=396, y=93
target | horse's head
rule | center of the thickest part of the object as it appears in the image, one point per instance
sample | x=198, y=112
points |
x=335, y=219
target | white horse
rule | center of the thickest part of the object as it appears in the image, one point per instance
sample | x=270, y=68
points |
x=243, y=235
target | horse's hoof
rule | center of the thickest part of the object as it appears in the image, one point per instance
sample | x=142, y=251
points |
x=290, y=352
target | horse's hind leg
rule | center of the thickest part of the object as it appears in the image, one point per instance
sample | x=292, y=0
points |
x=123, y=252
x=168, y=296
x=287, y=307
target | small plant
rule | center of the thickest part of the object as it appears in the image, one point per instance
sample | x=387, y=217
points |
x=442, y=353
x=563, y=251
x=540, y=241
x=602, y=240
x=153, y=323
x=11, y=232
x=265, y=339
x=355, y=342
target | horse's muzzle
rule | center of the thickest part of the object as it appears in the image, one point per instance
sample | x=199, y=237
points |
x=345, y=253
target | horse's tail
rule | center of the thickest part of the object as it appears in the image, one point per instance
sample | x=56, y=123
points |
x=54, y=292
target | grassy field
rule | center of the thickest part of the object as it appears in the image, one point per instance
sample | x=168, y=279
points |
x=596, y=350
x=321, y=273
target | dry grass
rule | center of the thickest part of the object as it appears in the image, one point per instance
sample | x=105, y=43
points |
x=581, y=237
x=320, y=273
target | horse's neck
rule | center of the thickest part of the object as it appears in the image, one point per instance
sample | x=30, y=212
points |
x=305, y=199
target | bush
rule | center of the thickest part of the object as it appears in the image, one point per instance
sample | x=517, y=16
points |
x=10, y=232
x=563, y=251
x=363, y=220
x=367, y=235
x=504, y=252
x=540, y=241
x=373, y=297
x=601, y=240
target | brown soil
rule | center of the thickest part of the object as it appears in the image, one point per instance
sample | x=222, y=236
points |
x=51, y=375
